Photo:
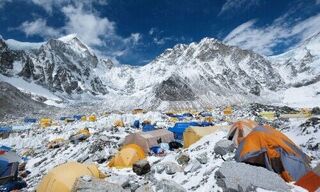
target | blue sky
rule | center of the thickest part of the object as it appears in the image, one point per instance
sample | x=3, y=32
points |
x=136, y=31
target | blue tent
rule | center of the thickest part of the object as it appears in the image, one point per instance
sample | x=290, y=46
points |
x=148, y=127
x=180, y=127
x=205, y=114
x=5, y=129
x=30, y=120
x=187, y=115
x=78, y=117
x=136, y=124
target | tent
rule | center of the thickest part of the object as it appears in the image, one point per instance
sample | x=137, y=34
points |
x=271, y=149
x=118, y=123
x=63, y=177
x=148, y=127
x=45, y=122
x=137, y=111
x=63, y=118
x=9, y=162
x=187, y=115
x=311, y=180
x=268, y=115
x=146, y=140
x=205, y=114
x=194, y=133
x=136, y=124
x=92, y=118
x=69, y=120
x=228, y=110
x=127, y=156
x=5, y=132
x=30, y=120
x=180, y=127
x=78, y=117
x=241, y=129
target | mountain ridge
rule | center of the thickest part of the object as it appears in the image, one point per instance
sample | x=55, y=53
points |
x=205, y=73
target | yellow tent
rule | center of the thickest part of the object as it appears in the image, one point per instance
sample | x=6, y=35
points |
x=194, y=133
x=137, y=111
x=227, y=110
x=173, y=119
x=45, y=122
x=92, y=118
x=268, y=115
x=63, y=177
x=83, y=118
x=56, y=143
x=118, y=123
x=127, y=156
x=209, y=119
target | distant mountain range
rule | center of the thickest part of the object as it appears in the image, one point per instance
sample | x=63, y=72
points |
x=197, y=75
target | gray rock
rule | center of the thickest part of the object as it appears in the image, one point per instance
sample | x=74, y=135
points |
x=202, y=158
x=145, y=188
x=193, y=166
x=169, y=186
x=233, y=176
x=87, y=178
x=171, y=168
x=159, y=168
x=97, y=185
x=223, y=147
x=183, y=158
x=141, y=167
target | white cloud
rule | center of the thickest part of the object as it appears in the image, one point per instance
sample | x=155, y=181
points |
x=49, y=5
x=238, y=5
x=91, y=28
x=96, y=31
x=264, y=39
x=3, y=2
x=39, y=27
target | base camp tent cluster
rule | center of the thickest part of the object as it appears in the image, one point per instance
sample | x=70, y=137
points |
x=256, y=144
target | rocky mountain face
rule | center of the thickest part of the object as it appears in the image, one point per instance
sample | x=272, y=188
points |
x=203, y=74
x=300, y=66
x=65, y=66
x=16, y=104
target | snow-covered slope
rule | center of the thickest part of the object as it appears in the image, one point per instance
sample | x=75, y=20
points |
x=301, y=65
x=197, y=75
x=65, y=66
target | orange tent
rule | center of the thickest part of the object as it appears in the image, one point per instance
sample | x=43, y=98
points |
x=127, y=156
x=271, y=149
x=241, y=129
x=311, y=180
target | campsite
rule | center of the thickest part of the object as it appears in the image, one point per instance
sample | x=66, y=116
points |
x=159, y=95
x=149, y=151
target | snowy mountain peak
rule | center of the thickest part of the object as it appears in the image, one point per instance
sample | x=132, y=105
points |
x=68, y=38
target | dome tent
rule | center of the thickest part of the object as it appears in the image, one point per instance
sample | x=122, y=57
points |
x=271, y=149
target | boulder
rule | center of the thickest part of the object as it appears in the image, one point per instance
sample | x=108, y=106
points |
x=193, y=166
x=202, y=158
x=183, y=158
x=171, y=168
x=223, y=147
x=141, y=167
x=169, y=186
x=97, y=185
x=145, y=188
x=315, y=111
x=233, y=176
x=159, y=168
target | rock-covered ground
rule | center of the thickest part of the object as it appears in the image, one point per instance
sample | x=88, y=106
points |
x=201, y=167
